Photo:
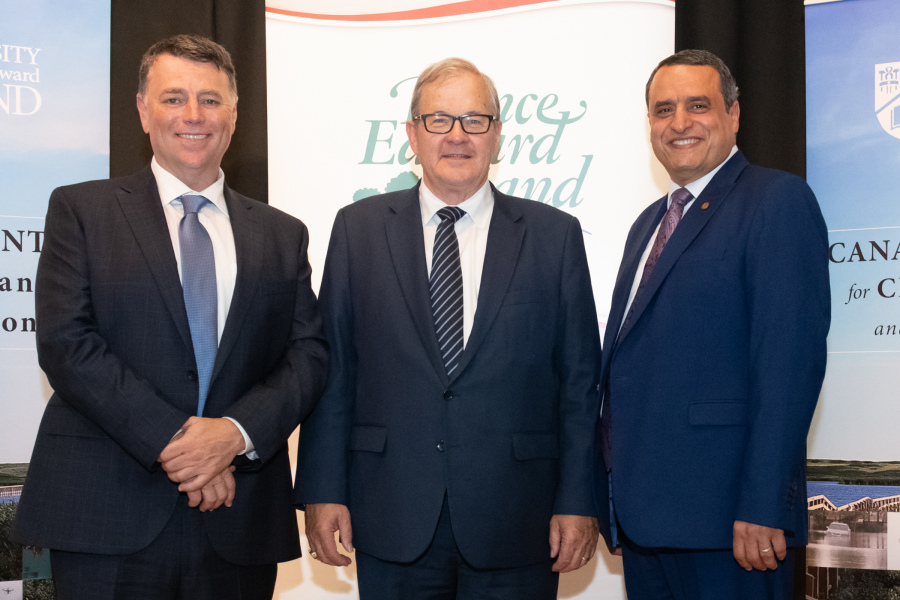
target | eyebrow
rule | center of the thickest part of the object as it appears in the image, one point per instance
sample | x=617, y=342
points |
x=688, y=100
x=200, y=93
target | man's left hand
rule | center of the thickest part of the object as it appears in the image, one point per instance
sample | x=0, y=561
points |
x=573, y=541
x=205, y=448
x=757, y=546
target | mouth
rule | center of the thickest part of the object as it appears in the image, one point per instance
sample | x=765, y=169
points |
x=192, y=136
x=685, y=142
x=456, y=156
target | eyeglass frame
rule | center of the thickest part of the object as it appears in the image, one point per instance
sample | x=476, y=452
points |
x=491, y=119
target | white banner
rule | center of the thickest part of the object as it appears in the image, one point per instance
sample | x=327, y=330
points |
x=571, y=76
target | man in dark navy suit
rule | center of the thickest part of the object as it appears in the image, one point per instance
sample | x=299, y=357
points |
x=714, y=357
x=456, y=429
x=177, y=326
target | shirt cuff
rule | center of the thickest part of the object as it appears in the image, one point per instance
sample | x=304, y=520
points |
x=249, y=448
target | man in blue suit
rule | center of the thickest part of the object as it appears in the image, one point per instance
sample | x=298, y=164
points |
x=456, y=428
x=714, y=357
x=161, y=467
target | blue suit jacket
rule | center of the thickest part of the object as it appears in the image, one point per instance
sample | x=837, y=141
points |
x=713, y=386
x=509, y=438
x=114, y=341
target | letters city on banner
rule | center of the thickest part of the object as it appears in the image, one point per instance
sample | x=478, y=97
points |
x=54, y=115
x=853, y=64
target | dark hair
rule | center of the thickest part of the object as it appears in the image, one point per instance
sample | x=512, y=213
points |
x=700, y=58
x=191, y=47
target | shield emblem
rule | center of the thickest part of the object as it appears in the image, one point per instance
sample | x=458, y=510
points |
x=887, y=97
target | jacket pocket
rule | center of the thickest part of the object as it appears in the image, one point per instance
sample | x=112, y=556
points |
x=718, y=412
x=368, y=438
x=532, y=445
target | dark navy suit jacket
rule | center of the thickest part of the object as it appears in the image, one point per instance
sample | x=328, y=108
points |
x=509, y=438
x=114, y=341
x=713, y=386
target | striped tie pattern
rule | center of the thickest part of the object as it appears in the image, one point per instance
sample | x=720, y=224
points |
x=447, y=288
x=198, y=279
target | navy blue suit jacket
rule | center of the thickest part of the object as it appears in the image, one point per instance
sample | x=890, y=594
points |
x=713, y=385
x=509, y=438
x=114, y=341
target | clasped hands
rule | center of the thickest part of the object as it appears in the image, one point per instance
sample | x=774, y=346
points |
x=199, y=457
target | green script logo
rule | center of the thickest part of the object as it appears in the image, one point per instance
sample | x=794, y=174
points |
x=539, y=128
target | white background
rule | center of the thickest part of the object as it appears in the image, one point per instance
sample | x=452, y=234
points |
x=326, y=79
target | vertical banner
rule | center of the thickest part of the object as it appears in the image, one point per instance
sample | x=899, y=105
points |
x=54, y=130
x=571, y=77
x=853, y=141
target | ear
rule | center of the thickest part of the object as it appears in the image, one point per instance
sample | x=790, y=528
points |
x=411, y=135
x=735, y=114
x=144, y=112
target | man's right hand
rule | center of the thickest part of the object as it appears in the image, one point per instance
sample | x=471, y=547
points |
x=322, y=520
x=220, y=490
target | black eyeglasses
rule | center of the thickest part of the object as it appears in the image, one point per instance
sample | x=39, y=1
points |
x=441, y=123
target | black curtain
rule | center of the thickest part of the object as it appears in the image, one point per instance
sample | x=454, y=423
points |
x=763, y=43
x=239, y=25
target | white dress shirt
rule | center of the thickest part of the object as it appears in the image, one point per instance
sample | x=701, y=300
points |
x=472, y=233
x=695, y=188
x=214, y=217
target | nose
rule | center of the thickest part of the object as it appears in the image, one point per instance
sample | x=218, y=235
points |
x=192, y=111
x=681, y=120
x=456, y=132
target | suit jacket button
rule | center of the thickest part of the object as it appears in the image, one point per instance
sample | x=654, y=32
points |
x=440, y=446
x=448, y=395
x=192, y=375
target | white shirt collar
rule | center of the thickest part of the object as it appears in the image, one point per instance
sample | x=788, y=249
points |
x=171, y=188
x=696, y=187
x=478, y=207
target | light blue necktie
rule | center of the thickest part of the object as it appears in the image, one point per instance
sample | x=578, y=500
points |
x=447, y=288
x=198, y=278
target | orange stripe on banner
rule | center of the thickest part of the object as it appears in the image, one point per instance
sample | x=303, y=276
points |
x=447, y=10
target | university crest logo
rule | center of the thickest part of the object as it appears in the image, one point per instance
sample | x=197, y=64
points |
x=887, y=97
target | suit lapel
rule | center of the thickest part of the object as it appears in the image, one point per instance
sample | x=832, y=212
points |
x=249, y=243
x=631, y=262
x=504, y=241
x=139, y=200
x=713, y=196
x=406, y=242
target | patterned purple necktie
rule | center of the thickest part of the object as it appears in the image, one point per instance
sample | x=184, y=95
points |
x=670, y=221
x=667, y=226
x=198, y=278
x=447, y=288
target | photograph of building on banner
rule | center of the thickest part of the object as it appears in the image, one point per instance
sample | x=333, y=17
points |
x=853, y=148
x=24, y=572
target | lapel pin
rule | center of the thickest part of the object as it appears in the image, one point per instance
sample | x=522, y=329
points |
x=704, y=206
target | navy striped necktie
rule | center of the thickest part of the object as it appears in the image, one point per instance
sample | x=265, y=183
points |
x=447, y=288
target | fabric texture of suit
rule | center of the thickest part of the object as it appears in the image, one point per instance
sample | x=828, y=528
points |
x=114, y=341
x=508, y=438
x=714, y=382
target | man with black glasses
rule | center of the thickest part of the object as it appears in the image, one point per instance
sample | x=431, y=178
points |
x=456, y=429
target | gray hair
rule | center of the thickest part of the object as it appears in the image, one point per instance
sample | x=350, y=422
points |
x=700, y=58
x=190, y=47
x=445, y=69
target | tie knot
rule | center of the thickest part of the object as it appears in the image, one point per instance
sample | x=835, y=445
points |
x=680, y=197
x=193, y=203
x=451, y=213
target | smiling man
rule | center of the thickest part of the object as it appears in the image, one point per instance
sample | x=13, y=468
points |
x=178, y=329
x=453, y=445
x=714, y=356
